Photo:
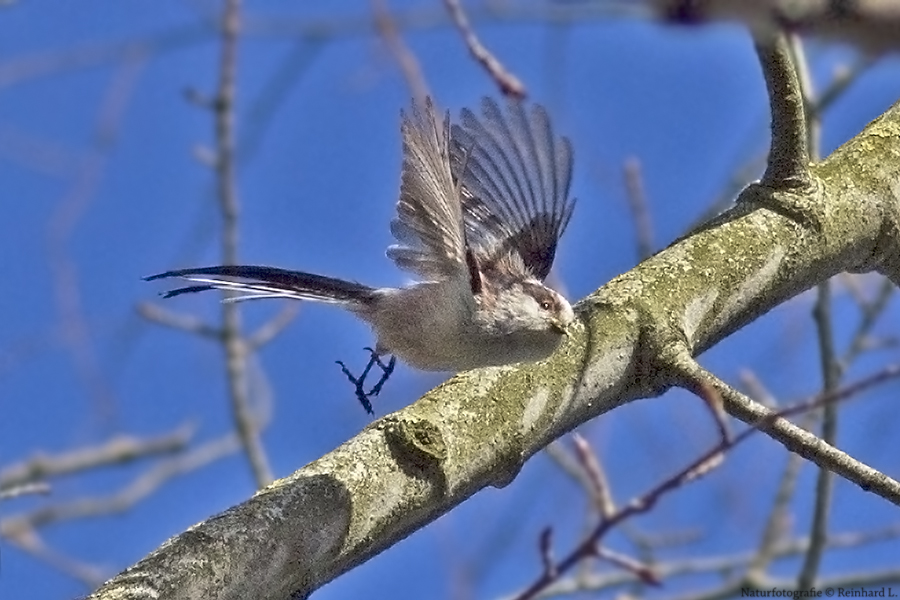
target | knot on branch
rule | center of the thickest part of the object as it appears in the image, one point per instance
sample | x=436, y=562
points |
x=802, y=200
x=418, y=447
x=886, y=255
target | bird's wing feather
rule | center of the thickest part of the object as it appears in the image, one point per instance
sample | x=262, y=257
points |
x=429, y=224
x=515, y=177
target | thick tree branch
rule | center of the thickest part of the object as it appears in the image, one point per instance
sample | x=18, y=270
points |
x=870, y=25
x=476, y=430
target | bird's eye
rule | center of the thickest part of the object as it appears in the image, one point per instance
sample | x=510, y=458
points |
x=545, y=305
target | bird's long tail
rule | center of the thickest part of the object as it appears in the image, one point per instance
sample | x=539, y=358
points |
x=254, y=282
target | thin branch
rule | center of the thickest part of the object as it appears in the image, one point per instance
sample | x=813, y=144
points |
x=235, y=348
x=788, y=164
x=719, y=565
x=26, y=489
x=825, y=478
x=588, y=546
x=142, y=486
x=545, y=546
x=409, y=64
x=822, y=315
x=44, y=156
x=756, y=389
x=843, y=79
x=777, y=521
x=569, y=465
x=26, y=67
x=798, y=440
x=509, y=84
x=274, y=93
x=643, y=572
x=33, y=544
x=121, y=449
x=871, y=311
x=271, y=328
x=22, y=529
x=807, y=94
x=596, y=476
x=640, y=212
x=66, y=219
x=173, y=320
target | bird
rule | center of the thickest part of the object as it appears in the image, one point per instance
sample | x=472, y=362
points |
x=483, y=204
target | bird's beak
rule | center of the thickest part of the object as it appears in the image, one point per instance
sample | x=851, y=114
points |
x=558, y=326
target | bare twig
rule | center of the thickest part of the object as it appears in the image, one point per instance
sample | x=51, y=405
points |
x=409, y=64
x=22, y=529
x=871, y=311
x=825, y=478
x=235, y=348
x=827, y=354
x=809, y=446
x=599, y=490
x=271, y=328
x=90, y=575
x=118, y=502
x=843, y=79
x=26, y=489
x=119, y=450
x=756, y=389
x=569, y=465
x=26, y=67
x=643, y=572
x=65, y=220
x=589, y=545
x=545, y=545
x=773, y=531
x=509, y=84
x=41, y=155
x=640, y=211
x=719, y=565
x=173, y=320
x=788, y=164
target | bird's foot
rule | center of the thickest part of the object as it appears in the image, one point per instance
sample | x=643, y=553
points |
x=359, y=382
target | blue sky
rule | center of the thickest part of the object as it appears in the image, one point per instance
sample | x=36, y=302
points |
x=102, y=185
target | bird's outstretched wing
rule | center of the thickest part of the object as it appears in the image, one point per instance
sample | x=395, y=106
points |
x=429, y=225
x=515, y=178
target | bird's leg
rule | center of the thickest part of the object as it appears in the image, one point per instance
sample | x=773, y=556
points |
x=359, y=382
x=386, y=370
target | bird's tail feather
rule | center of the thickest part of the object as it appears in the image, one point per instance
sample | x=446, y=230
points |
x=254, y=282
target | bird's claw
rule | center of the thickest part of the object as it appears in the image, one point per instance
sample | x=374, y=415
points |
x=359, y=382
